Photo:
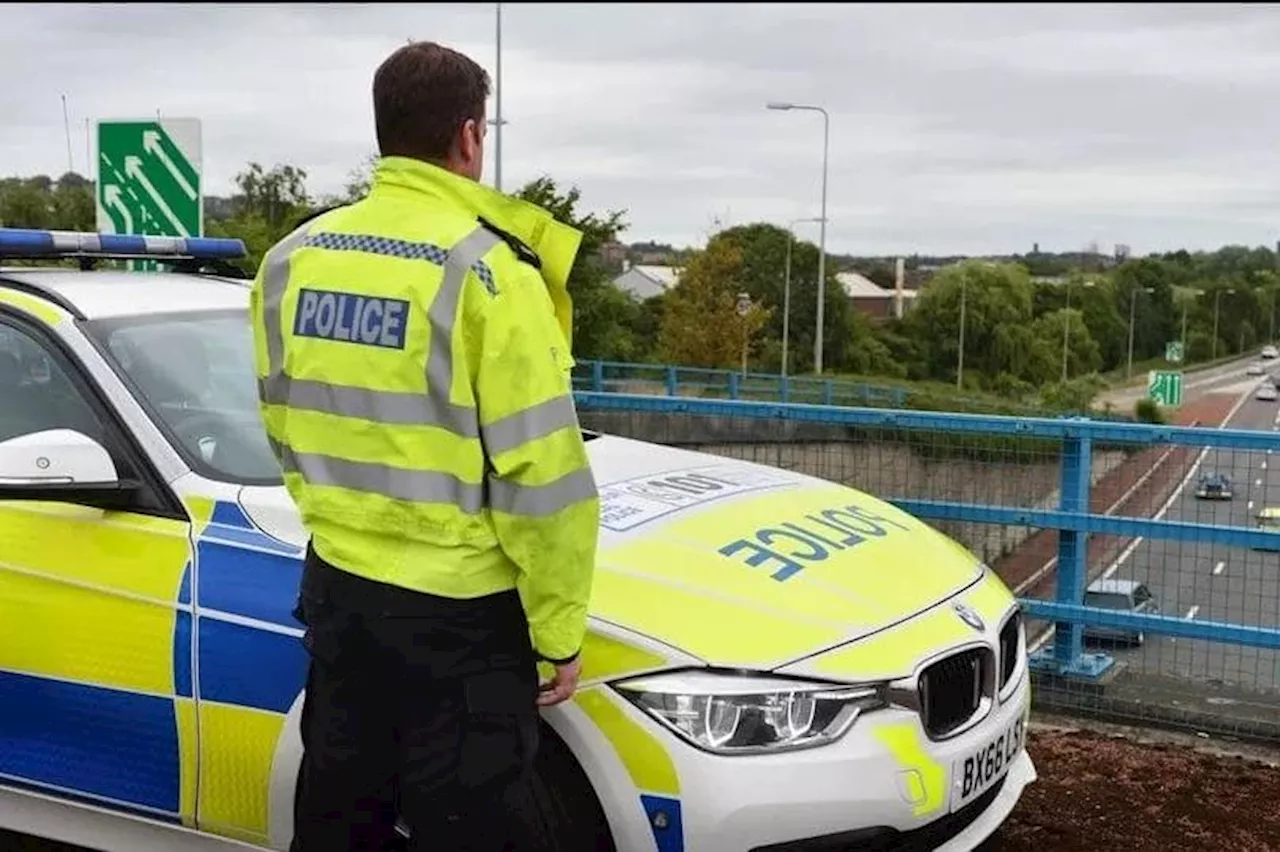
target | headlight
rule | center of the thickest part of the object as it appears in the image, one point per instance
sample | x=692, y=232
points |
x=729, y=714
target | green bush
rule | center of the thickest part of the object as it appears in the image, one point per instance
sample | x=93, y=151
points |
x=1147, y=410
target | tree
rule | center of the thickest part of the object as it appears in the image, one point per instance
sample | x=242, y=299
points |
x=701, y=325
x=268, y=206
x=39, y=202
x=604, y=317
x=763, y=248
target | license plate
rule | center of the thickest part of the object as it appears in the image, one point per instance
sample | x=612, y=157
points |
x=980, y=769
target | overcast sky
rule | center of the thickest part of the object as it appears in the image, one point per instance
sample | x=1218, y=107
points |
x=954, y=128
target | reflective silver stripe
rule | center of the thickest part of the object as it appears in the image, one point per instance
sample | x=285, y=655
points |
x=418, y=486
x=443, y=312
x=275, y=279
x=535, y=422
x=394, y=408
x=390, y=407
x=541, y=500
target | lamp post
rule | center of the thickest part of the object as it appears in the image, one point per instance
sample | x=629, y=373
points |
x=743, y=308
x=497, y=120
x=786, y=290
x=1133, y=304
x=964, y=285
x=822, y=236
x=1195, y=294
x=1217, y=304
x=1066, y=326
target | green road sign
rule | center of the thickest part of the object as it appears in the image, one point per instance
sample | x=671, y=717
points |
x=149, y=178
x=1165, y=387
x=1173, y=352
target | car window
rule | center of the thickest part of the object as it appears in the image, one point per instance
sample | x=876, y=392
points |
x=1141, y=595
x=194, y=371
x=36, y=393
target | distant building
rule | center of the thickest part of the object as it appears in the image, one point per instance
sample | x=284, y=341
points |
x=1122, y=252
x=644, y=281
x=613, y=255
x=871, y=299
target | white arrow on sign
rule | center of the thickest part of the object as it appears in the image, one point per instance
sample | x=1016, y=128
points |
x=111, y=197
x=151, y=145
x=133, y=168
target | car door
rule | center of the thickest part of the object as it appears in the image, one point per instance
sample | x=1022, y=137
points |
x=95, y=625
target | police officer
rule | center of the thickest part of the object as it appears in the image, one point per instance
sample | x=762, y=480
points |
x=413, y=361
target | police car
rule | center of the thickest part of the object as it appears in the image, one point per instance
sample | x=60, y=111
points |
x=774, y=661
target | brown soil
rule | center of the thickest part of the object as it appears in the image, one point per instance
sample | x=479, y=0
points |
x=1098, y=793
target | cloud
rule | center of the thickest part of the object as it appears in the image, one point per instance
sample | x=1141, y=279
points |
x=954, y=128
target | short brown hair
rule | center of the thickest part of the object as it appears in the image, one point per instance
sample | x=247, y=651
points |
x=422, y=95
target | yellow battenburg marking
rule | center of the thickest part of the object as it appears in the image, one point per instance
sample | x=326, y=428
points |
x=903, y=742
x=72, y=633
x=133, y=554
x=605, y=657
x=189, y=757
x=201, y=511
x=38, y=308
x=237, y=745
x=647, y=762
x=897, y=651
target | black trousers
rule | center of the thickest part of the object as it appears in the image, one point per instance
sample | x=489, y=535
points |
x=417, y=707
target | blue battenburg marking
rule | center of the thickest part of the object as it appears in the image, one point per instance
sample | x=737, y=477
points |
x=250, y=667
x=101, y=742
x=351, y=318
x=227, y=514
x=182, y=654
x=249, y=582
x=665, y=821
x=184, y=587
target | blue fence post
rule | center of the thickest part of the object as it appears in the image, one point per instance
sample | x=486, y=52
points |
x=733, y=386
x=828, y=392
x=1073, y=562
x=597, y=376
x=671, y=381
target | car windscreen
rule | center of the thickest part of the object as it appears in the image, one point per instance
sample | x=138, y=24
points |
x=194, y=371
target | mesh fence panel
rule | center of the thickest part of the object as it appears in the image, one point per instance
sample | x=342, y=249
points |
x=1211, y=686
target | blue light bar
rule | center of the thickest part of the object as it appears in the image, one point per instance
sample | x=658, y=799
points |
x=23, y=242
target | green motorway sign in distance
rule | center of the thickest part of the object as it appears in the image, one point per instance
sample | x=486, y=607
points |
x=1173, y=352
x=149, y=177
x=1165, y=387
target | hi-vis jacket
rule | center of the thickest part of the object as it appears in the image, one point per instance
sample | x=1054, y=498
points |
x=413, y=360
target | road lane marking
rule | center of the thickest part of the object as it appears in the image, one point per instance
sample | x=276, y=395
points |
x=1258, y=482
x=1264, y=465
x=1047, y=634
x=1250, y=506
x=1217, y=569
x=1191, y=613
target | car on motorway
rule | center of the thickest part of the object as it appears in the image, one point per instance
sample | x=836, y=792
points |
x=1268, y=518
x=1266, y=392
x=1254, y=369
x=1126, y=595
x=773, y=662
x=1214, y=486
x=1269, y=352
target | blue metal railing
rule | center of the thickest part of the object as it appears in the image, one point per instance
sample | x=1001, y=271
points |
x=708, y=383
x=705, y=382
x=1072, y=518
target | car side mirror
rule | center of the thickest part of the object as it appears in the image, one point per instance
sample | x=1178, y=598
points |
x=61, y=465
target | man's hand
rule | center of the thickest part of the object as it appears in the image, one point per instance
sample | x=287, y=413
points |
x=562, y=686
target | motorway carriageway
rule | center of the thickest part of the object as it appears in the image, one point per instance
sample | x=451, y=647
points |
x=1201, y=580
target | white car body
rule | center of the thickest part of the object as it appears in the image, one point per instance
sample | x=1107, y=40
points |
x=688, y=588
x=1269, y=352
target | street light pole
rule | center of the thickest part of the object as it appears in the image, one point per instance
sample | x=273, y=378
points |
x=960, y=359
x=786, y=292
x=1133, y=304
x=822, y=235
x=497, y=121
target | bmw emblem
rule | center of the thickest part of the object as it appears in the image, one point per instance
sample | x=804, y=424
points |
x=969, y=617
